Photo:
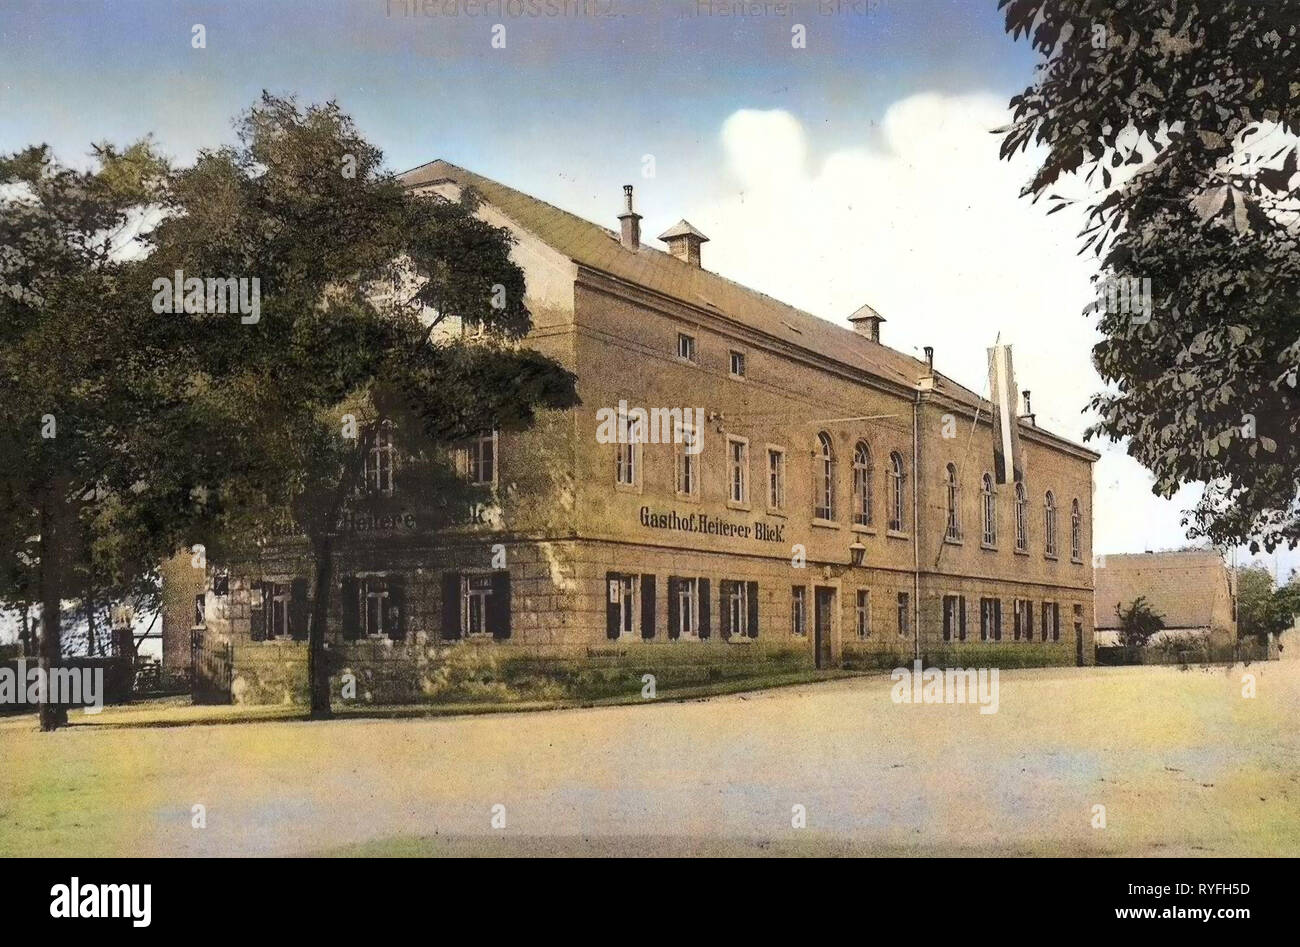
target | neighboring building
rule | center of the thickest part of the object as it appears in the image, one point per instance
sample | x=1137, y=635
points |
x=1192, y=590
x=817, y=441
x=183, y=598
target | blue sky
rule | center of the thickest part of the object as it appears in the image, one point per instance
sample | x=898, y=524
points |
x=858, y=169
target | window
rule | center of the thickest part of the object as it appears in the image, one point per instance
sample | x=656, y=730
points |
x=276, y=596
x=1078, y=622
x=896, y=492
x=904, y=616
x=863, y=613
x=481, y=460
x=954, y=617
x=1023, y=610
x=627, y=463
x=200, y=601
x=775, y=478
x=738, y=470
x=737, y=364
x=989, y=498
x=736, y=604
x=688, y=465
x=1052, y=620
x=825, y=486
x=686, y=346
x=954, y=516
x=628, y=614
x=378, y=619
x=688, y=607
x=799, y=611
x=1022, y=536
x=861, y=485
x=990, y=619
x=478, y=604
x=1076, y=532
x=379, y=460
x=1049, y=523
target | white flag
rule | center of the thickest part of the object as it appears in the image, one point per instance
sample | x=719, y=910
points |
x=1006, y=426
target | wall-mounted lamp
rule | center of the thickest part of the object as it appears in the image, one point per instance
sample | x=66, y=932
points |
x=857, y=552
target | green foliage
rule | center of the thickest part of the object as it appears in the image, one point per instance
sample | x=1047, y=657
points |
x=1263, y=610
x=1137, y=623
x=1181, y=115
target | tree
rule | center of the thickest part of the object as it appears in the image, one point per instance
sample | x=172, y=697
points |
x=1137, y=623
x=1263, y=610
x=358, y=282
x=94, y=484
x=1181, y=116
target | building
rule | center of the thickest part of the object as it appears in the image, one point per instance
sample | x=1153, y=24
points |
x=826, y=502
x=1192, y=590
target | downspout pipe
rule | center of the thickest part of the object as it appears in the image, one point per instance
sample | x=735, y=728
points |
x=916, y=525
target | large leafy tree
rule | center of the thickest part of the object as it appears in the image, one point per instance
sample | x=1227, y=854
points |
x=1263, y=610
x=94, y=487
x=358, y=281
x=1181, y=116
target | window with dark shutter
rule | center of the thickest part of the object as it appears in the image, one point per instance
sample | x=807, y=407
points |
x=450, y=605
x=395, y=619
x=499, y=605
x=648, y=605
x=725, y=587
x=705, y=610
x=257, y=611
x=751, y=593
x=351, y=608
x=613, y=591
x=997, y=619
x=961, y=616
x=674, y=607
x=298, y=610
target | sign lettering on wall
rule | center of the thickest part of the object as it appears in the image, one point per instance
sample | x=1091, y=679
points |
x=706, y=525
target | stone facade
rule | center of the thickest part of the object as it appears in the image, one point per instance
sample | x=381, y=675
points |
x=564, y=542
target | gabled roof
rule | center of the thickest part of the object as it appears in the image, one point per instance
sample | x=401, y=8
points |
x=1182, y=587
x=600, y=248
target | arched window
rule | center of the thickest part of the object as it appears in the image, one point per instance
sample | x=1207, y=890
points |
x=825, y=488
x=954, y=516
x=990, y=511
x=862, y=484
x=1049, y=523
x=1076, y=532
x=1022, y=521
x=896, y=496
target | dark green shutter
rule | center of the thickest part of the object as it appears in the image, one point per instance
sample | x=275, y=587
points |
x=674, y=606
x=705, y=610
x=724, y=608
x=648, y=605
x=395, y=620
x=961, y=616
x=612, y=582
x=351, y=608
x=499, y=605
x=298, y=610
x=450, y=605
x=997, y=619
x=751, y=593
x=257, y=613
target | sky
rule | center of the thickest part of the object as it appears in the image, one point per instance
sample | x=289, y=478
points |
x=858, y=167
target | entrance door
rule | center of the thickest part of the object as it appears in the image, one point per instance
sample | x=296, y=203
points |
x=823, y=609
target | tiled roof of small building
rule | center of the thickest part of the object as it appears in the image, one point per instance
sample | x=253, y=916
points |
x=1182, y=587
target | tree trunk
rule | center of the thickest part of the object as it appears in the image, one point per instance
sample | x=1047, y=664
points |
x=317, y=663
x=52, y=716
x=26, y=634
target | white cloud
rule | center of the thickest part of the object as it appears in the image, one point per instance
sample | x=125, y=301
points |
x=924, y=222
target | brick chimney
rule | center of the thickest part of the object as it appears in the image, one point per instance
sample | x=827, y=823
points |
x=684, y=242
x=630, y=221
x=866, y=321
